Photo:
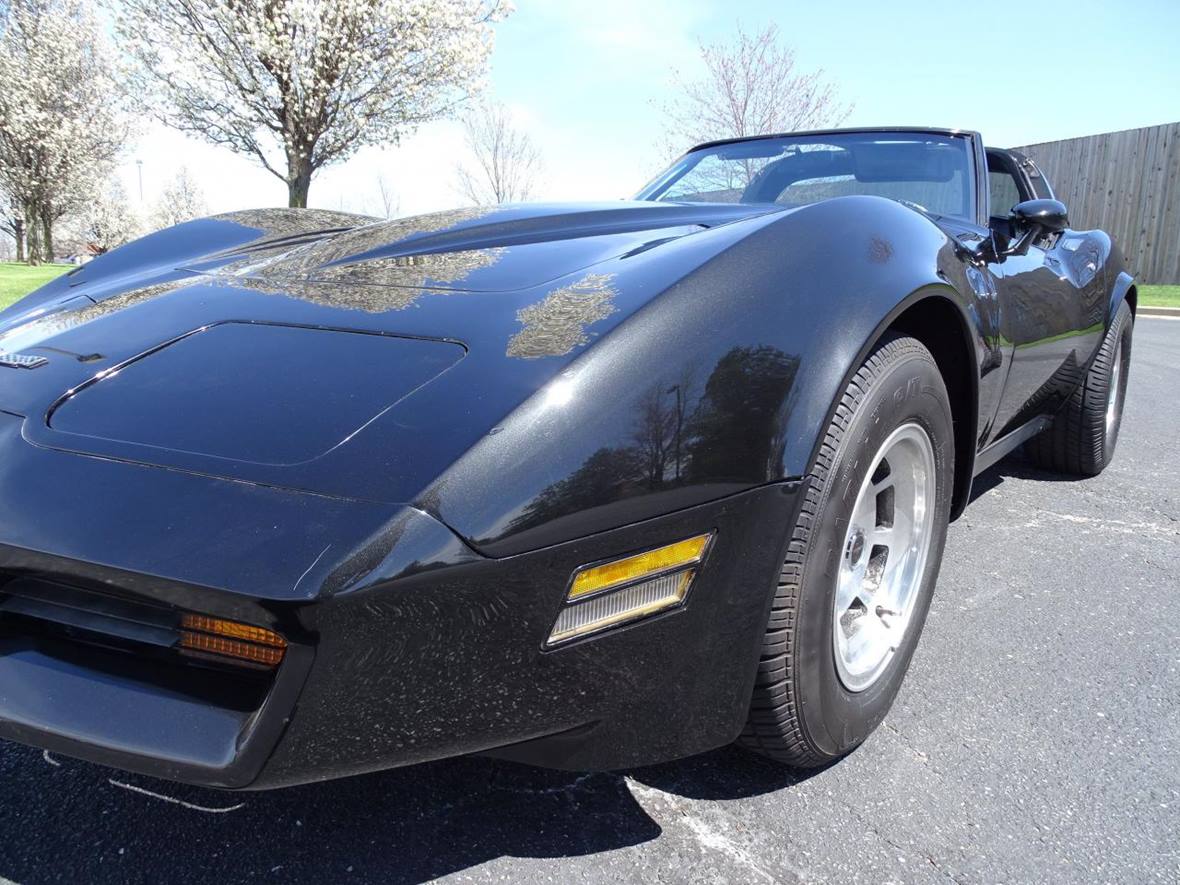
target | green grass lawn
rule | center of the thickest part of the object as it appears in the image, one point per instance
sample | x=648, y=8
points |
x=1159, y=296
x=18, y=280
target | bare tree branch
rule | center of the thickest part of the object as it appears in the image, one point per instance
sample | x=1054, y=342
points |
x=390, y=204
x=750, y=86
x=504, y=164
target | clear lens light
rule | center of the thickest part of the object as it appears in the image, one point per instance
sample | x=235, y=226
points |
x=626, y=604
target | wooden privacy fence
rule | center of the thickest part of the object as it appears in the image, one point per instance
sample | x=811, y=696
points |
x=1128, y=184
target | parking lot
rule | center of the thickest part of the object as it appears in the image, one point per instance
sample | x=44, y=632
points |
x=1037, y=738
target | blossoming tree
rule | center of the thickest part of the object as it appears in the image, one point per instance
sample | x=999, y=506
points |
x=180, y=201
x=61, y=128
x=106, y=222
x=300, y=84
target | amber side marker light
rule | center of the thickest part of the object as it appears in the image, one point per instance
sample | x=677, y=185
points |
x=230, y=639
x=634, y=587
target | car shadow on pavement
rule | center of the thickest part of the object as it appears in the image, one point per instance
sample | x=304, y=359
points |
x=63, y=819
x=1016, y=466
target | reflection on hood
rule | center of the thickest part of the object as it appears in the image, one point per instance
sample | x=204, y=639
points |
x=326, y=271
x=31, y=333
x=346, y=254
x=557, y=324
x=431, y=270
x=345, y=295
x=280, y=223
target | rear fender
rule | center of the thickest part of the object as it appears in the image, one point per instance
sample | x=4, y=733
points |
x=1124, y=283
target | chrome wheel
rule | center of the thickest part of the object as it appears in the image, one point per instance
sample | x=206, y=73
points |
x=884, y=557
x=1114, y=394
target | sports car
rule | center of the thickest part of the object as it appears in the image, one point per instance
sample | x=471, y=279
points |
x=288, y=495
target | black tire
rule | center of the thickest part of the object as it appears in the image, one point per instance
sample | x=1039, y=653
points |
x=801, y=713
x=1080, y=441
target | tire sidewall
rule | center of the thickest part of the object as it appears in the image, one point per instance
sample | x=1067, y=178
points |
x=1121, y=331
x=833, y=719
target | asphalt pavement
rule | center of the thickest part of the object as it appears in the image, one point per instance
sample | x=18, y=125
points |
x=1036, y=739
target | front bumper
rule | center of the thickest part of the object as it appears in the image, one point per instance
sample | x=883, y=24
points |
x=405, y=646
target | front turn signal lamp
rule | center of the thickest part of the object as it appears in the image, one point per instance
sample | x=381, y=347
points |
x=627, y=589
x=230, y=639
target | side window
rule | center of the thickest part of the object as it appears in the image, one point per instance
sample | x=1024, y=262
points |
x=1006, y=183
x=1003, y=192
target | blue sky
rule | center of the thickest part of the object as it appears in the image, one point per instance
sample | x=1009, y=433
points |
x=586, y=78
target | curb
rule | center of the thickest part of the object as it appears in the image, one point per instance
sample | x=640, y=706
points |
x=1159, y=311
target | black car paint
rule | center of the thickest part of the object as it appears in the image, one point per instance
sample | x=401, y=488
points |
x=617, y=376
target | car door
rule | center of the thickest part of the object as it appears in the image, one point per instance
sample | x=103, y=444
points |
x=1050, y=298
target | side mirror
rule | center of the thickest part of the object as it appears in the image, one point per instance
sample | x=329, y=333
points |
x=1049, y=216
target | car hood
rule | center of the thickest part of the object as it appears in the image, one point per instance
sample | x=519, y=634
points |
x=478, y=249
x=329, y=353
x=474, y=250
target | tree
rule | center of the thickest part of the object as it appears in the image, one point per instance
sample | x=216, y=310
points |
x=61, y=122
x=181, y=201
x=12, y=223
x=310, y=80
x=504, y=161
x=389, y=203
x=750, y=86
x=106, y=222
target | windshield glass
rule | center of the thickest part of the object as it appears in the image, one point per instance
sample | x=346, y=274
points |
x=932, y=171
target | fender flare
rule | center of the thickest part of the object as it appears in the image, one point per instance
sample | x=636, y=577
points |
x=1122, y=290
x=967, y=415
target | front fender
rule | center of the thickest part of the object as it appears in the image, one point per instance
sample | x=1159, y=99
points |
x=722, y=382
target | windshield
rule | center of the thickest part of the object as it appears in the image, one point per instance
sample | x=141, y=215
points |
x=932, y=171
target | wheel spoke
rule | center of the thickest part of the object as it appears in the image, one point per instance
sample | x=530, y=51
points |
x=902, y=530
x=865, y=514
x=888, y=595
x=890, y=634
x=850, y=586
x=868, y=634
x=867, y=596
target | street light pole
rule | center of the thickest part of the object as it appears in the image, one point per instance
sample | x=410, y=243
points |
x=139, y=163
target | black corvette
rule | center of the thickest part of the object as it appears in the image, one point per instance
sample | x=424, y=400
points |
x=288, y=495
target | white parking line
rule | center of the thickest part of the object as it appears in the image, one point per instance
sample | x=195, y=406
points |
x=173, y=801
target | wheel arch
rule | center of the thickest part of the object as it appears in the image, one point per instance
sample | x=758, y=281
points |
x=1124, y=289
x=927, y=320
x=926, y=315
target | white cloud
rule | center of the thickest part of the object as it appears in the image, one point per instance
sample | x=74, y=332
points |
x=657, y=30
